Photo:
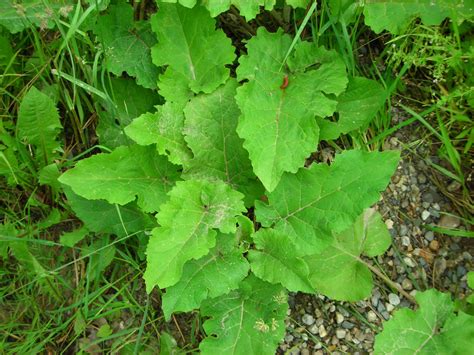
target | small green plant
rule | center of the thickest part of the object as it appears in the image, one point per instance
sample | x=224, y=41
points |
x=206, y=158
x=213, y=173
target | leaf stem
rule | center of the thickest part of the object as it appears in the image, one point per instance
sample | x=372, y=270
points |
x=392, y=284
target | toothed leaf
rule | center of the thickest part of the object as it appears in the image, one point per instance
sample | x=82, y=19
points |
x=213, y=275
x=433, y=329
x=189, y=44
x=127, y=44
x=126, y=174
x=187, y=228
x=320, y=200
x=278, y=123
x=277, y=260
x=249, y=320
x=338, y=271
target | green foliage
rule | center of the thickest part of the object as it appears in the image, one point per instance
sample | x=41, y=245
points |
x=217, y=175
x=38, y=124
x=352, y=280
x=277, y=260
x=249, y=320
x=275, y=119
x=211, y=276
x=187, y=228
x=247, y=9
x=433, y=329
x=191, y=47
x=16, y=16
x=127, y=44
x=321, y=200
x=233, y=142
x=123, y=175
x=379, y=15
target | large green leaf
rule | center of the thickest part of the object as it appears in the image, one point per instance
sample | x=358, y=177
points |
x=213, y=275
x=38, y=124
x=187, y=222
x=277, y=260
x=122, y=176
x=189, y=43
x=357, y=106
x=127, y=44
x=249, y=320
x=321, y=200
x=209, y=130
x=100, y=216
x=165, y=128
x=338, y=271
x=21, y=14
x=434, y=329
x=278, y=124
x=379, y=15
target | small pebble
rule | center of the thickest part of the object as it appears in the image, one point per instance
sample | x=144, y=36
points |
x=434, y=245
x=403, y=229
x=371, y=316
x=406, y=241
x=339, y=318
x=389, y=223
x=409, y=261
x=407, y=284
x=308, y=319
x=322, y=331
x=425, y=215
x=449, y=222
x=305, y=351
x=340, y=333
x=347, y=325
x=461, y=271
x=429, y=236
x=393, y=299
x=314, y=329
x=390, y=307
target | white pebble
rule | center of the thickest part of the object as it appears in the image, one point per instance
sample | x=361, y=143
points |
x=393, y=299
x=425, y=215
x=308, y=319
x=389, y=223
x=340, y=333
x=371, y=316
x=409, y=261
